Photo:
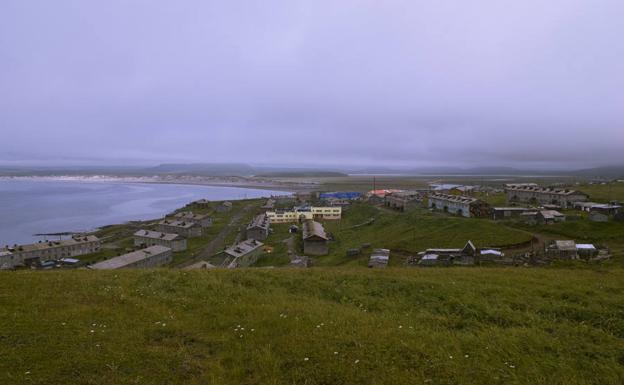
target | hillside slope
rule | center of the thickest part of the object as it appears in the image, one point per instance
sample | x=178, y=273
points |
x=318, y=326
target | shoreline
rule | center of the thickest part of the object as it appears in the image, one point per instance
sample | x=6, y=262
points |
x=238, y=182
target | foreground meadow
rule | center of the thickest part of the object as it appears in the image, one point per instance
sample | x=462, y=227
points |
x=316, y=326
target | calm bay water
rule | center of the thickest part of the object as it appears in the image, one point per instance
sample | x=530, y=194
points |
x=32, y=207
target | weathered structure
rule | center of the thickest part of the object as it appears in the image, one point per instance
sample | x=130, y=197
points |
x=460, y=205
x=152, y=256
x=7, y=260
x=562, y=250
x=315, y=240
x=300, y=214
x=224, y=207
x=258, y=228
x=508, y=212
x=49, y=250
x=300, y=261
x=467, y=255
x=183, y=228
x=243, y=254
x=604, y=208
x=550, y=216
x=203, y=220
x=145, y=238
x=405, y=200
x=586, y=250
x=379, y=258
x=556, y=196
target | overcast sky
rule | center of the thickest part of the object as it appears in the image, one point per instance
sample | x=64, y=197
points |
x=408, y=83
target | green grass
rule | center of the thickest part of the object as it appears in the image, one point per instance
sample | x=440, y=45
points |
x=404, y=233
x=603, y=192
x=316, y=326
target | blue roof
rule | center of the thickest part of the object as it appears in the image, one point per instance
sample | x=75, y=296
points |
x=341, y=195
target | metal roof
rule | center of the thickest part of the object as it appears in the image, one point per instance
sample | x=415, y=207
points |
x=130, y=258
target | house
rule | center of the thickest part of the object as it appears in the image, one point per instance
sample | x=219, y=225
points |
x=586, y=251
x=556, y=196
x=203, y=220
x=508, y=212
x=7, y=260
x=597, y=216
x=315, y=240
x=562, y=250
x=405, y=200
x=443, y=188
x=550, y=216
x=146, y=238
x=48, y=250
x=379, y=258
x=224, y=207
x=460, y=205
x=243, y=254
x=468, y=255
x=303, y=213
x=463, y=190
x=258, y=228
x=183, y=228
x=149, y=257
x=603, y=208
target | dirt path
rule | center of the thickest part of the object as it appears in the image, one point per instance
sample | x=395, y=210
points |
x=218, y=243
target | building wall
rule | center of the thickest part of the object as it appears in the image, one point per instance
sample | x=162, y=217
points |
x=328, y=213
x=189, y=232
x=452, y=207
x=315, y=247
x=544, y=197
x=153, y=260
x=247, y=259
x=176, y=245
x=54, y=252
x=257, y=233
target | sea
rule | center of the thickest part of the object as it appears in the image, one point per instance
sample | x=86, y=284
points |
x=29, y=207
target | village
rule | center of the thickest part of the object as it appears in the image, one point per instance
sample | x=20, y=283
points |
x=306, y=229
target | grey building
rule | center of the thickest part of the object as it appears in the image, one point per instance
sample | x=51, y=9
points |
x=258, y=228
x=49, y=250
x=315, y=240
x=243, y=254
x=152, y=256
x=508, y=212
x=379, y=258
x=554, y=196
x=460, y=205
x=405, y=200
x=203, y=220
x=562, y=250
x=180, y=227
x=175, y=242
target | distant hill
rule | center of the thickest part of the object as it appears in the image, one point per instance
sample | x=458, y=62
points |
x=204, y=169
x=302, y=174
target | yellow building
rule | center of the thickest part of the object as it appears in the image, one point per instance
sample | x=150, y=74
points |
x=300, y=214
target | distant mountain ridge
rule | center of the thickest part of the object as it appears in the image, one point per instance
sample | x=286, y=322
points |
x=243, y=169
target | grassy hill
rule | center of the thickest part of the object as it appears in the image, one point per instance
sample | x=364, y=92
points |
x=317, y=326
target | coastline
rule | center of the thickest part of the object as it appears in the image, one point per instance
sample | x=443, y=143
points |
x=239, y=182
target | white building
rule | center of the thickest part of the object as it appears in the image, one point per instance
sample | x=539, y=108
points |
x=300, y=214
